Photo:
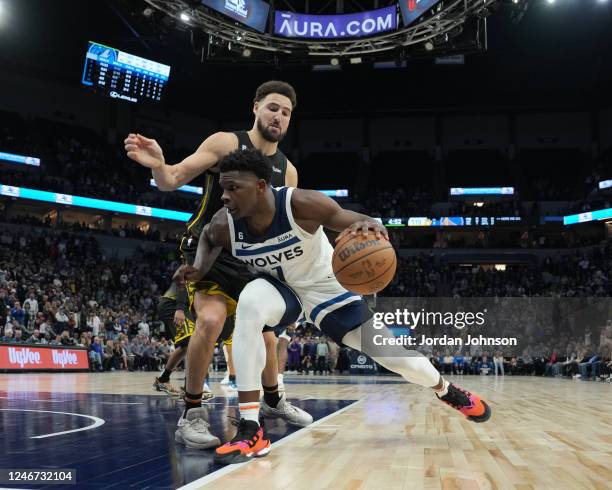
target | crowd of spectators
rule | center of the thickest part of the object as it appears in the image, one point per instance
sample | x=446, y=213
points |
x=582, y=362
x=77, y=161
x=61, y=288
x=125, y=231
x=391, y=203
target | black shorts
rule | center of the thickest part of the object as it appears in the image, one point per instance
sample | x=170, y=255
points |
x=227, y=277
x=180, y=336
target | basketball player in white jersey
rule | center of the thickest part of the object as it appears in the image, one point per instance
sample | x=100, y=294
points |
x=279, y=232
x=213, y=298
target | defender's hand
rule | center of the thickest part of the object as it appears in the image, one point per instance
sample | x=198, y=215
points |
x=179, y=317
x=363, y=227
x=187, y=273
x=144, y=151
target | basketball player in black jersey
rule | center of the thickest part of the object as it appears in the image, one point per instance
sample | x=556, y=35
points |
x=214, y=297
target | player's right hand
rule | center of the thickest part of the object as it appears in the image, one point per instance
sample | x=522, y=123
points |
x=144, y=151
x=187, y=273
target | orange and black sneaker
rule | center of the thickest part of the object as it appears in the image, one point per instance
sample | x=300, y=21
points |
x=248, y=442
x=467, y=403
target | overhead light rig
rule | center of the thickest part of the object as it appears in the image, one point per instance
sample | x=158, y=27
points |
x=432, y=33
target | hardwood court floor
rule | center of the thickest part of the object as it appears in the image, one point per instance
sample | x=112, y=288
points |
x=544, y=433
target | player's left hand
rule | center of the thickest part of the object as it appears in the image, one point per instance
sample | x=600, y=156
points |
x=364, y=227
x=187, y=273
x=179, y=317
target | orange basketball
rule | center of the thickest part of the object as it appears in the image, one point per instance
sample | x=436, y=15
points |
x=364, y=265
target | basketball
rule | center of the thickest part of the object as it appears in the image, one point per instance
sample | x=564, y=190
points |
x=364, y=264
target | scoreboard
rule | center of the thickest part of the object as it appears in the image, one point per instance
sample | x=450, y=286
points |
x=125, y=76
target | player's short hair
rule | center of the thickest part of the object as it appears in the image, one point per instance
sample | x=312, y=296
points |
x=276, y=87
x=249, y=160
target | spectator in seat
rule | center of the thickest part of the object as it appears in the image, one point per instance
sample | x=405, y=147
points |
x=322, y=353
x=138, y=351
x=448, y=364
x=143, y=327
x=590, y=368
x=548, y=370
x=93, y=323
x=65, y=339
x=459, y=364
x=293, y=352
x=19, y=338
x=149, y=356
x=96, y=354
x=307, y=365
x=29, y=317
x=8, y=337
x=18, y=313
x=61, y=320
x=32, y=303
x=498, y=362
x=34, y=338
x=485, y=365
x=109, y=361
x=119, y=355
x=127, y=349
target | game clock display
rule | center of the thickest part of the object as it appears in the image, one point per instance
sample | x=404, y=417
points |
x=124, y=76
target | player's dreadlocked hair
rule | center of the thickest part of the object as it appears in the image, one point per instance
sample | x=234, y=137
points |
x=250, y=160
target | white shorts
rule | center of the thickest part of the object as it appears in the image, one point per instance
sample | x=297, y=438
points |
x=331, y=308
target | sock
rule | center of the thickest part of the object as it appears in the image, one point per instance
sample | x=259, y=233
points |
x=271, y=396
x=444, y=390
x=232, y=378
x=165, y=377
x=249, y=411
x=192, y=401
x=280, y=378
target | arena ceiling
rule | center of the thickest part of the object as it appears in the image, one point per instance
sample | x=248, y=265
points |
x=556, y=54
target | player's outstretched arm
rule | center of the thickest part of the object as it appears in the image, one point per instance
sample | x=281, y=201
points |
x=214, y=237
x=149, y=154
x=314, y=209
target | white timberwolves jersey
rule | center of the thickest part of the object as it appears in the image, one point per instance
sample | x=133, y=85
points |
x=286, y=251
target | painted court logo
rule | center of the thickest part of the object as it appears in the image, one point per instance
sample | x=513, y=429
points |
x=64, y=357
x=23, y=357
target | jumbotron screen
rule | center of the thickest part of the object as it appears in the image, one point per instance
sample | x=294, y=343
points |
x=125, y=76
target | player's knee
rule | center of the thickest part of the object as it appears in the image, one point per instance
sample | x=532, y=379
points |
x=210, y=325
x=249, y=303
x=270, y=340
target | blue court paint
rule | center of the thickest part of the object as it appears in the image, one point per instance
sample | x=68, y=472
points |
x=134, y=448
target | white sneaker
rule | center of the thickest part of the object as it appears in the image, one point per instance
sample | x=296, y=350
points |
x=281, y=386
x=206, y=388
x=286, y=411
x=193, y=431
x=225, y=380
